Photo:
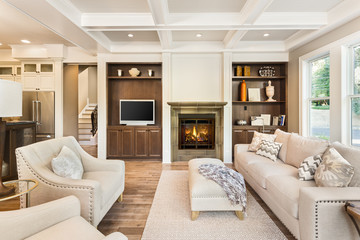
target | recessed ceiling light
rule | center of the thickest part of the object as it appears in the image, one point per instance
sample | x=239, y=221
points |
x=198, y=35
x=25, y=41
x=130, y=35
x=0, y=43
x=266, y=34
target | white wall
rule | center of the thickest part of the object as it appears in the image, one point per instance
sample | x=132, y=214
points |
x=92, y=84
x=83, y=88
x=196, y=77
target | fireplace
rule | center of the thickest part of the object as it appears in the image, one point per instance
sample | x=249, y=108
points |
x=196, y=131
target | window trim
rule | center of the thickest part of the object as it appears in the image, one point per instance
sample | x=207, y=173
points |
x=305, y=91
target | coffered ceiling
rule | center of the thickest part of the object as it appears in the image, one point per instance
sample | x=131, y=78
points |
x=188, y=25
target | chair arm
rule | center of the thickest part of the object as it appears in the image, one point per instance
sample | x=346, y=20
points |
x=322, y=214
x=116, y=236
x=238, y=148
x=20, y=224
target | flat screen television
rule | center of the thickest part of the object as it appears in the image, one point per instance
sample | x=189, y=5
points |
x=137, y=112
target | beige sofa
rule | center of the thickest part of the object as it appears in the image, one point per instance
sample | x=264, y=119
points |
x=308, y=211
x=55, y=220
x=101, y=185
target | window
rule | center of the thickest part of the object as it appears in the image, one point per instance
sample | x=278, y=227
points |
x=355, y=95
x=319, y=98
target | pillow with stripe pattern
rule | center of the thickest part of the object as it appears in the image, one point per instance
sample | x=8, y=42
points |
x=269, y=149
x=308, y=167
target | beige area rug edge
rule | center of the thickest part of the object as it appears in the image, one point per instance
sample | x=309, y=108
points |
x=169, y=216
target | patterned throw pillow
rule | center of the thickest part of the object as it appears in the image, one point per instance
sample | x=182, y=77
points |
x=258, y=137
x=269, y=149
x=334, y=170
x=67, y=164
x=308, y=167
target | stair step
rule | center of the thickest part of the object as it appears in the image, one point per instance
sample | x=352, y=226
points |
x=84, y=120
x=84, y=131
x=86, y=116
x=84, y=125
x=85, y=137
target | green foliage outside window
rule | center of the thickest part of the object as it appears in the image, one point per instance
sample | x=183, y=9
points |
x=320, y=80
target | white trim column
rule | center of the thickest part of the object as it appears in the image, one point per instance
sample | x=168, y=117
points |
x=166, y=109
x=102, y=105
x=227, y=97
x=59, y=108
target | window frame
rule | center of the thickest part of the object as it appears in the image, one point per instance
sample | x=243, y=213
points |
x=350, y=90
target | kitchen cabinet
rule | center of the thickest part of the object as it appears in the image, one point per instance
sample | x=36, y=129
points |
x=38, y=76
x=10, y=72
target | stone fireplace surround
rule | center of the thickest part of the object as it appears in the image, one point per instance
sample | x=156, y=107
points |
x=216, y=108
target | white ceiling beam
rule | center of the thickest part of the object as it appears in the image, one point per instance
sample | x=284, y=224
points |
x=160, y=12
x=316, y=19
x=165, y=39
x=253, y=9
x=44, y=13
x=233, y=37
x=339, y=15
x=250, y=12
x=105, y=20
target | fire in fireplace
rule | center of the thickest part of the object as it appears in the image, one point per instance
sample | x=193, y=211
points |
x=197, y=131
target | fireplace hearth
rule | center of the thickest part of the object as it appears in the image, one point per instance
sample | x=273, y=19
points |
x=197, y=131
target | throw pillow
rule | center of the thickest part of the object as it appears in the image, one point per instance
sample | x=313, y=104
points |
x=269, y=149
x=299, y=148
x=308, y=167
x=67, y=164
x=282, y=137
x=258, y=137
x=351, y=154
x=334, y=170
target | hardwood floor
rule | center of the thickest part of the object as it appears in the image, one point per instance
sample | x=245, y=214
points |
x=141, y=179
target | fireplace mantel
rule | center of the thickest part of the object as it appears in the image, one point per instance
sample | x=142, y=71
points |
x=202, y=104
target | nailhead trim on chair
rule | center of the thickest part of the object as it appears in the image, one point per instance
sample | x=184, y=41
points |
x=317, y=216
x=19, y=155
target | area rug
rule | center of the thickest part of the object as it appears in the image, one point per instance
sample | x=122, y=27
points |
x=169, y=216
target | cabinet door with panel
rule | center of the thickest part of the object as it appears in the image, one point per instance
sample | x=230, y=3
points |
x=141, y=142
x=38, y=76
x=10, y=72
x=114, y=145
x=155, y=143
x=127, y=142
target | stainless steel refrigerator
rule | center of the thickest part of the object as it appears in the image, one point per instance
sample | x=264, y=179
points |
x=40, y=107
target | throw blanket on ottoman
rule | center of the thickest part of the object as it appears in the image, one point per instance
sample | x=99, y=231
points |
x=231, y=181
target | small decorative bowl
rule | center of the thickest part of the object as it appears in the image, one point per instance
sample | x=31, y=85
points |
x=241, y=122
x=134, y=72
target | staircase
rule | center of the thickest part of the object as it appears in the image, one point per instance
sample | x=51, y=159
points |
x=84, y=126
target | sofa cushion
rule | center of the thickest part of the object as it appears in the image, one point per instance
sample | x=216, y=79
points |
x=260, y=171
x=282, y=137
x=245, y=158
x=285, y=191
x=334, y=170
x=300, y=147
x=351, y=154
x=67, y=164
x=308, y=167
x=76, y=228
x=258, y=137
x=269, y=149
x=109, y=182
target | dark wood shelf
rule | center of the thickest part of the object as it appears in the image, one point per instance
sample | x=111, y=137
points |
x=132, y=78
x=251, y=127
x=262, y=102
x=239, y=78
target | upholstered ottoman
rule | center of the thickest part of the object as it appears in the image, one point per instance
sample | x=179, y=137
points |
x=207, y=195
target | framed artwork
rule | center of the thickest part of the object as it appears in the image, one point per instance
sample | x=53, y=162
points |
x=254, y=94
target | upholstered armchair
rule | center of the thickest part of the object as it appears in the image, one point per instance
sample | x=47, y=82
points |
x=59, y=219
x=101, y=185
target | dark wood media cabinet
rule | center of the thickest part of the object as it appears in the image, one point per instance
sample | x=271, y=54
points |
x=134, y=142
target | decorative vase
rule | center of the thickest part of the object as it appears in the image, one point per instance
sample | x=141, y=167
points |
x=243, y=91
x=134, y=72
x=270, y=91
x=119, y=72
